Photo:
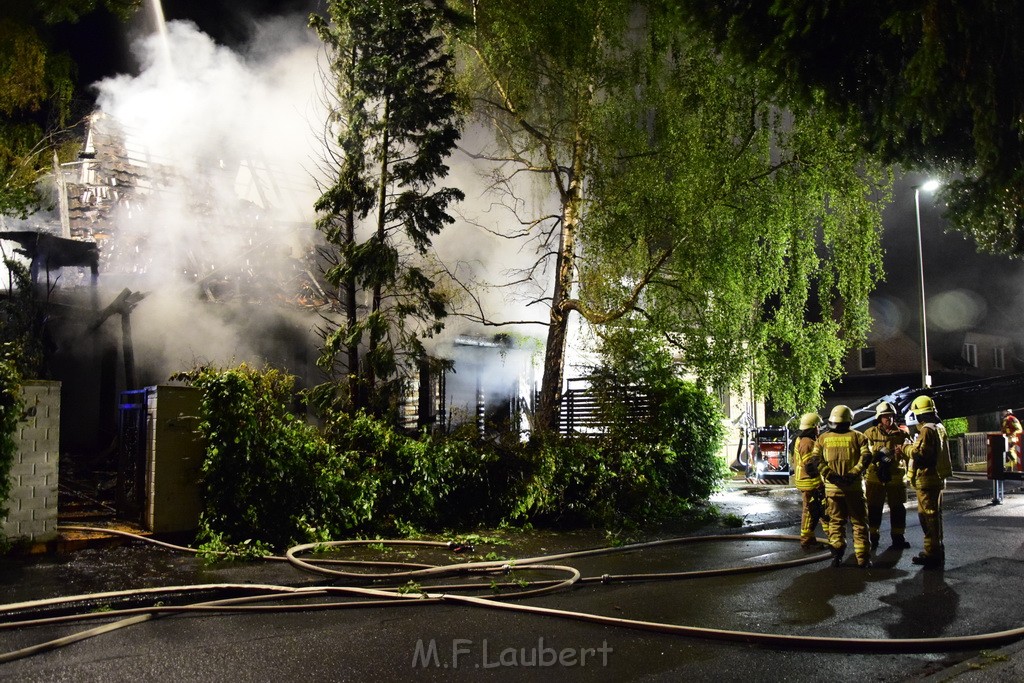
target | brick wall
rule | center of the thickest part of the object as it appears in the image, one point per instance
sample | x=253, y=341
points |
x=32, y=506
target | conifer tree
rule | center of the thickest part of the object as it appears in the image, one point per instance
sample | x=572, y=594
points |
x=395, y=122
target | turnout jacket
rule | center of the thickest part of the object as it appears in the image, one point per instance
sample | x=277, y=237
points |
x=879, y=437
x=846, y=455
x=802, y=449
x=930, y=462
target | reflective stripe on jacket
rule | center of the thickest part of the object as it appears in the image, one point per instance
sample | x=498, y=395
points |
x=802, y=449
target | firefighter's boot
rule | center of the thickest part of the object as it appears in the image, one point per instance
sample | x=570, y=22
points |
x=837, y=556
x=875, y=538
x=899, y=542
x=935, y=561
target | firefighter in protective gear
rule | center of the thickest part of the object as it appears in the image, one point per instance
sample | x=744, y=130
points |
x=808, y=482
x=884, y=480
x=1011, y=430
x=842, y=455
x=930, y=464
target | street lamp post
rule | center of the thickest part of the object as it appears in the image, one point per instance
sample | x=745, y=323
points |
x=928, y=186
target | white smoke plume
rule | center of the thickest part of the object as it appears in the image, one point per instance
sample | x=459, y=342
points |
x=228, y=142
x=240, y=131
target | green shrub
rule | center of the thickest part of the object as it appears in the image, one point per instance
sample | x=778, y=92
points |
x=12, y=408
x=955, y=426
x=259, y=477
x=270, y=477
x=639, y=472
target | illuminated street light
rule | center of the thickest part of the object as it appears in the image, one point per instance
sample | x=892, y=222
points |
x=927, y=186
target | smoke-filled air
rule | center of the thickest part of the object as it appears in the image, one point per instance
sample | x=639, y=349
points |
x=231, y=143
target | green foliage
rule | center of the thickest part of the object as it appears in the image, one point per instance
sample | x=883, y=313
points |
x=270, y=480
x=754, y=232
x=214, y=548
x=21, y=322
x=933, y=86
x=12, y=407
x=955, y=426
x=732, y=521
x=692, y=201
x=632, y=475
x=38, y=88
x=259, y=477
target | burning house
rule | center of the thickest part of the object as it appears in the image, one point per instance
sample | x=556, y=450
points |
x=148, y=269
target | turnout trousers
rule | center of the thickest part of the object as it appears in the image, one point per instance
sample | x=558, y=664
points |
x=813, y=512
x=848, y=505
x=894, y=494
x=929, y=511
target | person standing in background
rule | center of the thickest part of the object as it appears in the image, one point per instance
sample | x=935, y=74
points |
x=842, y=455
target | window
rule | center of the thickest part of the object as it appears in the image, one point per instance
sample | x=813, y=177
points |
x=998, y=359
x=725, y=401
x=867, y=358
x=970, y=354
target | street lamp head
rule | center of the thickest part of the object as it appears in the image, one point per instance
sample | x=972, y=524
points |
x=929, y=185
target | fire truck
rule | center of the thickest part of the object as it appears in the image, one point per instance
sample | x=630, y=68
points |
x=763, y=454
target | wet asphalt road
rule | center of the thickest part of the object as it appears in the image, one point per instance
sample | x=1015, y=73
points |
x=978, y=592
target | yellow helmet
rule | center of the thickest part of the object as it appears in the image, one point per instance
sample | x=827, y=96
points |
x=922, y=404
x=809, y=420
x=884, y=408
x=840, y=413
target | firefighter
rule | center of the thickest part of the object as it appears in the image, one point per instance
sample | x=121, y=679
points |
x=930, y=464
x=1011, y=430
x=808, y=482
x=842, y=455
x=884, y=480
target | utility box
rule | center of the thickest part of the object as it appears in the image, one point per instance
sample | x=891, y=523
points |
x=1003, y=462
x=174, y=456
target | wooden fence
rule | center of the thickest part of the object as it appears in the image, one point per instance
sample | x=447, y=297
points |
x=582, y=413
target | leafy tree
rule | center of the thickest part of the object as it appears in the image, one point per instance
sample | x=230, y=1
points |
x=396, y=120
x=933, y=85
x=37, y=91
x=22, y=321
x=689, y=202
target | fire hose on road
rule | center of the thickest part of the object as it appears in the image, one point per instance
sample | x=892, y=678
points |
x=257, y=597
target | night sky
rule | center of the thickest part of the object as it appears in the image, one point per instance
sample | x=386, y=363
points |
x=951, y=261
x=100, y=42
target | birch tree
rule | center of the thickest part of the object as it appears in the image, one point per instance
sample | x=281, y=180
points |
x=688, y=201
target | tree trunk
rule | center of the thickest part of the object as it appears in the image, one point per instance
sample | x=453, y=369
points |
x=382, y=196
x=356, y=396
x=558, y=326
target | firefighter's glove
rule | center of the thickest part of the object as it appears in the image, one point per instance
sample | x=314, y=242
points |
x=883, y=465
x=835, y=479
x=811, y=468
